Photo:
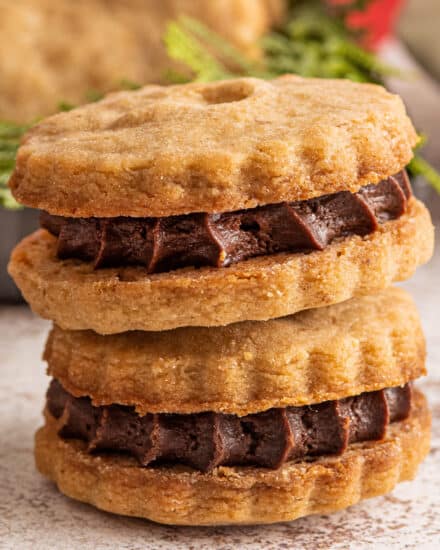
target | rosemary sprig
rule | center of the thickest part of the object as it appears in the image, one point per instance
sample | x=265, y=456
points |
x=10, y=135
x=418, y=166
x=228, y=52
x=185, y=47
x=310, y=44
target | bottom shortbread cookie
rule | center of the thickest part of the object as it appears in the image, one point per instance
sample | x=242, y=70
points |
x=182, y=496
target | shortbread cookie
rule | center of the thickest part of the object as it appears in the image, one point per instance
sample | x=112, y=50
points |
x=360, y=345
x=213, y=147
x=75, y=296
x=234, y=495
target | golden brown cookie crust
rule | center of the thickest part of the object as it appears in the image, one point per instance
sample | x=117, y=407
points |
x=181, y=496
x=76, y=297
x=213, y=147
x=364, y=344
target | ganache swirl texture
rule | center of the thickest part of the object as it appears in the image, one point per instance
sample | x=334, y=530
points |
x=207, y=440
x=218, y=240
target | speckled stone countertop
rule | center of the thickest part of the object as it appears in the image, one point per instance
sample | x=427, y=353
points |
x=34, y=515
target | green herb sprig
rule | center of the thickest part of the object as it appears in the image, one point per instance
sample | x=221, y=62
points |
x=10, y=135
x=311, y=44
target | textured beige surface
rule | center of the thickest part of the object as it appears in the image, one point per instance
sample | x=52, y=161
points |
x=235, y=495
x=213, y=147
x=60, y=50
x=363, y=344
x=75, y=296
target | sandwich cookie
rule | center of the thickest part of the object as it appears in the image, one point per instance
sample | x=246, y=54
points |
x=209, y=468
x=209, y=204
x=250, y=423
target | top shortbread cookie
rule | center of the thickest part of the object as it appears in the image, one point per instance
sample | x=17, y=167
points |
x=213, y=147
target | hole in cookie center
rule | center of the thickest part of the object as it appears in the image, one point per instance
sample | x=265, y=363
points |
x=227, y=92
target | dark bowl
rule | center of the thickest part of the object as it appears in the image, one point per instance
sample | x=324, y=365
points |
x=14, y=225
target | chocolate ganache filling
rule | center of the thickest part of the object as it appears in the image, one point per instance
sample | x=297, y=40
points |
x=207, y=440
x=163, y=244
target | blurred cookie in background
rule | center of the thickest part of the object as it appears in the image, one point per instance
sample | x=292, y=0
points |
x=62, y=51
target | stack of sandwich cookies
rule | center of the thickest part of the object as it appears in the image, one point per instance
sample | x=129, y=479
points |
x=221, y=211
